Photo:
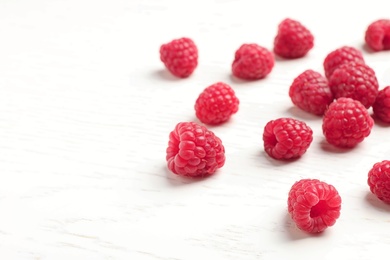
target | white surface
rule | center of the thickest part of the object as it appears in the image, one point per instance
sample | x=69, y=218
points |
x=86, y=107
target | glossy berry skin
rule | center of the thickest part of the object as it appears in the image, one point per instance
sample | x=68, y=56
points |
x=286, y=138
x=310, y=92
x=346, y=123
x=381, y=107
x=293, y=40
x=252, y=62
x=313, y=205
x=377, y=35
x=180, y=56
x=216, y=104
x=356, y=81
x=340, y=56
x=379, y=180
x=194, y=151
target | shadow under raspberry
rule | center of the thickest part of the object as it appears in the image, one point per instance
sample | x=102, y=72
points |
x=376, y=203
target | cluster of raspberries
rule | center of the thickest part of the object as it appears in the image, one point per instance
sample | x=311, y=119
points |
x=341, y=96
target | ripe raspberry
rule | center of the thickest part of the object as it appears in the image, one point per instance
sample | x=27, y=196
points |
x=313, y=205
x=180, y=57
x=252, y=61
x=293, y=40
x=379, y=180
x=310, y=92
x=356, y=81
x=377, y=35
x=216, y=104
x=286, y=138
x=381, y=107
x=346, y=123
x=194, y=151
x=340, y=56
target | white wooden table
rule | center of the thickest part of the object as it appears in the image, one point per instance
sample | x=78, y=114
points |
x=86, y=107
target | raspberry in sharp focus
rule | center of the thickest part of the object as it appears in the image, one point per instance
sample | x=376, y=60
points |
x=293, y=40
x=194, y=151
x=286, y=138
x=216, y=104
x=346, y=123
x=381, y=107
x=313, y=205
x=252, y=62
x=355, y=80
x=180, y=56
x=377, y=35
x=310, y=92
x=340, y=56
x=379, y=180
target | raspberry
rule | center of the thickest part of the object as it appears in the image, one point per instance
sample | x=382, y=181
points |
x=346, y=123
x=377, y=35
x=379, y=180
x=340, y=56
x=252, y=61
x=194, y=151
x=286, y=138
x=180, y=57
x=216, y=104
x=313, y=205
x=381, y=107
x=356, y=81
x=293, y=40
x=310, y=92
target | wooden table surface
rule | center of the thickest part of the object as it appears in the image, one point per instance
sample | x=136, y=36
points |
x=86, y=108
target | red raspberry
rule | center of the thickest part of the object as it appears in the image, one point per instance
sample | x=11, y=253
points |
x=194, y=151
x=313, y=205
x=381, y=107
x=340, y=56
x=286, y=138
x=310, y=92
x=379, y=180
x=293, y=40
x=216, y=104
x=356, y=81
x=378, y=35
x=252, y=61
x=346, y=123
x=180, y=57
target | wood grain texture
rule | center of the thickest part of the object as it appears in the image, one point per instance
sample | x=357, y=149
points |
x=86, y=107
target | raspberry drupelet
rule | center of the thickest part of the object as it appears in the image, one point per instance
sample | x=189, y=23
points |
x=286, y=138
x=313, y=205
x=310, y=92
x=216, y=104
x=194, y=151
x=377, y=35
x=381, y=107
x=379, y=180
x=180, y=56
x=355, y=80
x=346, y=123
x=252, y=61
x=340, y=56
x=293, y=40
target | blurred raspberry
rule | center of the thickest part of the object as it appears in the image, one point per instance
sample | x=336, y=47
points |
x=293, y=40
x=252, y=62
x=377, y=35
x=340, y=56
x=310, y=92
